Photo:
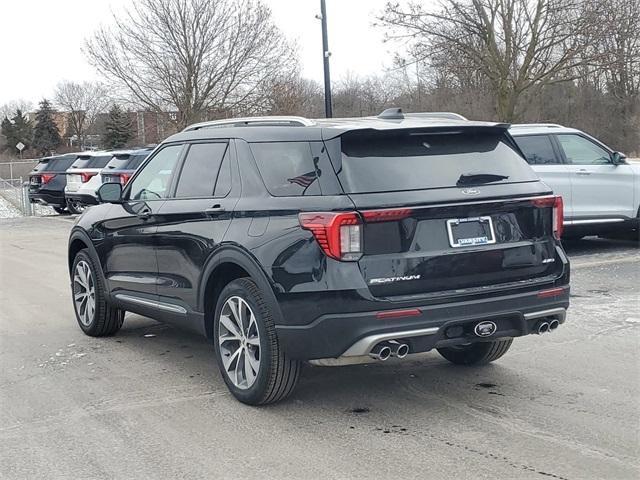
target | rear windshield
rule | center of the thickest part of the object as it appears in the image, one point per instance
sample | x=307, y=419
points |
x=58, y=164
x=91, y=161
x=127, y=161
x=374, y=161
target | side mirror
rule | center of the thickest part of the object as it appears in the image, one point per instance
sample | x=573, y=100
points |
x=618, y=158
x=110, y=193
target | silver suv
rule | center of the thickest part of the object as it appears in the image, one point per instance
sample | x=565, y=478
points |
x=600, y=189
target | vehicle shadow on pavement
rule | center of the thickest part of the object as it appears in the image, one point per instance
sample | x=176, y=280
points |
x=418, y=381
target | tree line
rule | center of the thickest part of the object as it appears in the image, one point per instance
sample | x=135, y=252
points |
x=575, y=62
x=42, y=135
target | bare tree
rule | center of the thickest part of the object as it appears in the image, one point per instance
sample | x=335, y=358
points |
x=8, y=109
x=193, y=56
x=82, y=102
x=519, y=46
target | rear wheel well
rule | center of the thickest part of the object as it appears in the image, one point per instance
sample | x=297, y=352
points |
x=221, y=276
x=74, y=248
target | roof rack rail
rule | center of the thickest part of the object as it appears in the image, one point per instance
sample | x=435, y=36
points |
x=447, y=115
x=269, y=121
x=529, y=125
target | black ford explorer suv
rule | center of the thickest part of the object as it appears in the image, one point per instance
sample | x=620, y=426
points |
x=48, y=179
x=332, y=241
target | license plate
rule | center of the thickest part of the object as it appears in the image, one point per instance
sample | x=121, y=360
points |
x=35, y=181
x=469, y=232
x=110, y=179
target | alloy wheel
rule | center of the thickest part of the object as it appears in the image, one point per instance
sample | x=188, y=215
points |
x=239, y=341
x=84, y=293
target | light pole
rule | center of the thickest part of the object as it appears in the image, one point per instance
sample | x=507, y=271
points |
x=328, y=111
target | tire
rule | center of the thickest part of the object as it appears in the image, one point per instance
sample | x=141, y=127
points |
x=274, y=376
x=103, y=319
x=479, y=353
x=75, y=207
x=60, y=210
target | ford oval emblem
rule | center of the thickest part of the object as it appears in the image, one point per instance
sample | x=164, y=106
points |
x=471, y=191
x=485, y=329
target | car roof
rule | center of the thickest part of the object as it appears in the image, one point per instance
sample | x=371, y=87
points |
x=519, y=129
x=268, y=129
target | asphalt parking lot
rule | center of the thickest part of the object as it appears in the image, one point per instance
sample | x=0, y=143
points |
x=149, y=402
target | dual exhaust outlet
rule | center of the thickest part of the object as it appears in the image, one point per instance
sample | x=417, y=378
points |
x=546, y=327
x=392, y=348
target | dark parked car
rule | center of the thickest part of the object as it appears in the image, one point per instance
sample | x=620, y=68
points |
x=48, y=179
x=333, y=241
x=123, y=165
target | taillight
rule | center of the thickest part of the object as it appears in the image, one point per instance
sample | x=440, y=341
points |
x=124, y=178
x=558, y=212
x=338, y=234
x=86, y=176
x=47, y=177
x=388, y=215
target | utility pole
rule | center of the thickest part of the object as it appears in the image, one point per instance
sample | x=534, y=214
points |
x=325, y=57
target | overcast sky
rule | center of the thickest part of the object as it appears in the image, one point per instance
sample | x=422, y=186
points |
x=41, y=40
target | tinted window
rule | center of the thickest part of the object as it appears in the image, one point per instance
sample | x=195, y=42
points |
x=581, y=151
x=57, y=164
x=538, y=149
x=92, y=161
x=153, y=181
x=99, y=161
x=118, y=162
x=287, y=168
x=136, y=160
x=223, y=184
x=200, y=170
x=413, y=160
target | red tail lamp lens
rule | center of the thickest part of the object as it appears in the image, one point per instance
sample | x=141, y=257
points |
x=558, y=212
x=388, y=215
x=86, y=176
x=338, y=234
x=124, y=178
x=47, y=177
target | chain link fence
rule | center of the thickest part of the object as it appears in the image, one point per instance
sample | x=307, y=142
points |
x=16, y=192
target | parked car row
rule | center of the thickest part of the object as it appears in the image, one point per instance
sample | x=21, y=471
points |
x=69, y=182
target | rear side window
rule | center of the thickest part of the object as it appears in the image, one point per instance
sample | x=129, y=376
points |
x=287, y=168
x=537, y=149
x=200, y=170
x=374, y=161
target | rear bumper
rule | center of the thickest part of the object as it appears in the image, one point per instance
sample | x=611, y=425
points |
x=353, y=334
x=82, y=198
x=56, y=199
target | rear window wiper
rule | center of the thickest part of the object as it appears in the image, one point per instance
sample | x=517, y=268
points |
x=467, y=179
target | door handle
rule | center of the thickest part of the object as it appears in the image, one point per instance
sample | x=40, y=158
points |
x=144, y=214
x=582, y=171
x=215, y=210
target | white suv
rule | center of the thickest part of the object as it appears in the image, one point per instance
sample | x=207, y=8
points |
x=601, y=190
x=83, y=179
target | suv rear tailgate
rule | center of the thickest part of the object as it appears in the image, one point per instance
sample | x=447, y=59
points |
x=447, y=210
x=412, y=250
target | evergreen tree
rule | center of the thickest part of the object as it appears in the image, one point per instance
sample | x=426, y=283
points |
x=17, y=129
x=118, y=128
x=46, y=136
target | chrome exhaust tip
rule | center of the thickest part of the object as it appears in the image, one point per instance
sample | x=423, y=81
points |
x=398, y=350
x=543, y=327
x=553, y=324
x=380, y=352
